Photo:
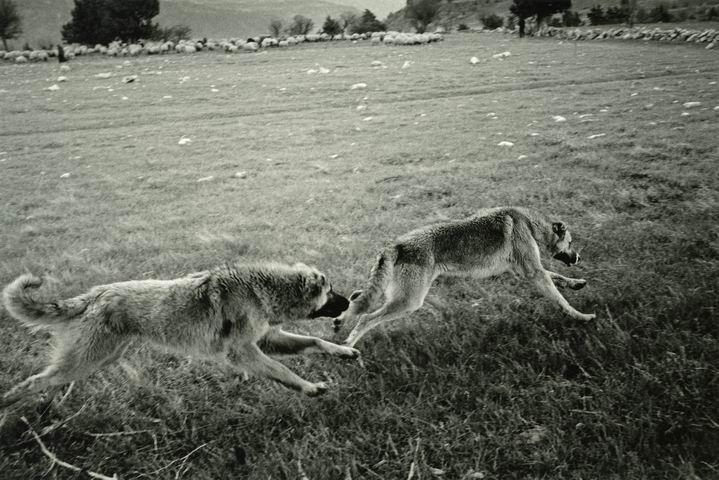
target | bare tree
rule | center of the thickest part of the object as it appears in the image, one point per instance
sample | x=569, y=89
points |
x=10, y=26
x=348, y=20
x=275, y=27
x=301, y=25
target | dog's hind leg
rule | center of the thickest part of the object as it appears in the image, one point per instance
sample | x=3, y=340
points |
x=279, y=342
x=252, y=360
x=67, y=365
x=565, y=282
x=543, y=281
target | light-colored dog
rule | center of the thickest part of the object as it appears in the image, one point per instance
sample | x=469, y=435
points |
x=224, y=314
x=494, y=241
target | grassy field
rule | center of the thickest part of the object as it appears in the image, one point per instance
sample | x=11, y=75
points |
x=95, y=189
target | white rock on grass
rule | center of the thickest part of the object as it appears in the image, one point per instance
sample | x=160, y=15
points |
x=505, y=144
x=596, y=135
x=129, y=79
x=358, y=86
x=406, y=64
x=692, y=104
x=324, y=70
x=64, y=68
x=61, y=79
x=474, y=60
x=103, y=75
x=53, y=88
x=184, y=141
x=501, y=55
x=377, y=63
x=65, y=175
x=242, y=174
x=716, y=108
x=205, y=179
x=558, y=118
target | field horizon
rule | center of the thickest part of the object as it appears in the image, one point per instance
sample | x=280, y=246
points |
x=213, y=158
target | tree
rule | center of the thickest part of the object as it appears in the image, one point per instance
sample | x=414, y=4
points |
x=301, y=25
x=660, y=13
x=102, y=21
x=540, y=9
x=368, y=23
x=491, y=21
x=571, y=19
x=331, y=26
x=596, y=15
x=421, y=13
x=10, y=22
x=630, y=10
x=349, y=19
x=275, y=27
x=174, y=33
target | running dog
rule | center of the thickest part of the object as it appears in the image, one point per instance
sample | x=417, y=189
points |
x=225, y=314
x=505, y=239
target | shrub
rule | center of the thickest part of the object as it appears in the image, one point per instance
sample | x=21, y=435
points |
x=492, y=21
x=331, y=26
x=571, y=19
x=301, y=25
x=596, y=15
x=275, y=27
x=462, y=27
x=175, y=33
x=660, y=13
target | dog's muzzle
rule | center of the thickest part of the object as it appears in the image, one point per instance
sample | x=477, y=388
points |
x=335, y=305
x=569, y=259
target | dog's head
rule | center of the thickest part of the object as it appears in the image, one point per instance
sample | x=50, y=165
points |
x=561, y=244
x=323, y=300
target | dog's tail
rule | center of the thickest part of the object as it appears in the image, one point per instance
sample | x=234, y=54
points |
x=22, y=306
x=379, y=277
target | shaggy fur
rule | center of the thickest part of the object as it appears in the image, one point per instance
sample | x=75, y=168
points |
x=495, y=241
x=222, y=314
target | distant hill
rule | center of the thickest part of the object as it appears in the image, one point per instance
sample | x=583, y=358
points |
x=43, y=19
x=454, y=12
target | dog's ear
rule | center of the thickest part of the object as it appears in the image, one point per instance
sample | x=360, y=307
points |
x=559, y=228
x=355, y=295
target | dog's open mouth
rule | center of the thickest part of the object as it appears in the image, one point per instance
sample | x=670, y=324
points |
x=568, y=258
x=335, y=305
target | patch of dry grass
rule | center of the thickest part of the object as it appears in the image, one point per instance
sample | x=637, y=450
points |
x=509, y=387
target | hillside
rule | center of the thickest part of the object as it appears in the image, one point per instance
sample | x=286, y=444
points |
x=469, y=11
x=43, y=19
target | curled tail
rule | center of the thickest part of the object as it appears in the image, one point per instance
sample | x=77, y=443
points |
x=378, y=279
x=22, y=306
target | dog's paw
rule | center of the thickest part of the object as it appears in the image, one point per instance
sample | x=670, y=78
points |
x=349, y=352
x=578, y=285
x=315, y=389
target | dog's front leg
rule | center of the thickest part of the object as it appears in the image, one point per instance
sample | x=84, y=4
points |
x=251, y=359
x=279, y=342
x=543, y=281
x=565, y=282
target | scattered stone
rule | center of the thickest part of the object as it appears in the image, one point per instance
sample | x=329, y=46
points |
x=103, y=75
x=53, y=88
x=205, y=179
x=65, y=68
x=367, y=119
x=558, y=118
x=358, y=86
x=521, y=157
x=61, y=79
x=505, y=144
x=361, y=108
x=65, y=175
x=324, y=70
x=311, y=71
x=377, y=63
x=684, y=114
x=242, y=174
x=596, y=135
x=474, y=60
x=406, y=64
x=129, y=79
x=692, y=104
x=501, y=55
x=184, y=141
